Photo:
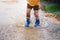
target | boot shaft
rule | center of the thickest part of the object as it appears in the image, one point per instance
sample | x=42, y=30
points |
x=28, y=20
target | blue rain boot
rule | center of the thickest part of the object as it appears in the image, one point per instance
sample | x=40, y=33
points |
x=37, y=22
x=27, y=22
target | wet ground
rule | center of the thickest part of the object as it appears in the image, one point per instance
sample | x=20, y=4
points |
x=45, y=32
x=12, y=18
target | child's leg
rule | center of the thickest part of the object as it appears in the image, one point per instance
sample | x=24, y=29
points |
x=37, y=22
x=28, y=13
x=28, y=16
x=36, y=13
x=36, y=9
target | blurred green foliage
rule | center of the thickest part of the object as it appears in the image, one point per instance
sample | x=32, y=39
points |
x=53, y=1
x=51, y=5
x=52, y=8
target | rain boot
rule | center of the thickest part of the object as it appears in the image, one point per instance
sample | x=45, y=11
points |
x=27, y=22
x=37, y=22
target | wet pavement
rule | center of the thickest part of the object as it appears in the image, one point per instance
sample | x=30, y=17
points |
x=11, y=25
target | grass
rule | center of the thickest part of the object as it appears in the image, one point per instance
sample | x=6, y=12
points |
x=52, y=8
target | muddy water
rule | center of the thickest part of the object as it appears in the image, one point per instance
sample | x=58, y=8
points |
x=13, y=32
x=49, y=30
